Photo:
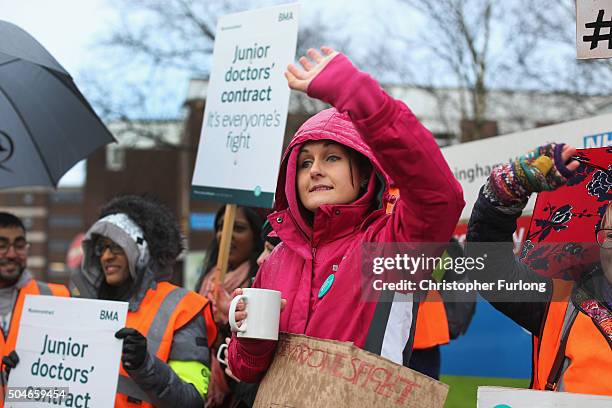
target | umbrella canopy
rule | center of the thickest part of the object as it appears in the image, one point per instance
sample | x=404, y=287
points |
x=561, y=242
x=46, y=125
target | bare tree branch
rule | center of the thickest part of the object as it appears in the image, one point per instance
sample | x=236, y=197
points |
x=156, y=41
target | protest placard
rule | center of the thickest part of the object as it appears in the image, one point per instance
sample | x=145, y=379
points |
x=472, y=162
x=594, y=29
x=308, y=372
x=502, y=397
x=69, y=356
x=246, y=107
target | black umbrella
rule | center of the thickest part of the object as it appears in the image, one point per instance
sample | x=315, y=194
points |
x=46, y=125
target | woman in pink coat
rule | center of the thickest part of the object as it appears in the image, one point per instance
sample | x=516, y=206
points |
x=327, y=207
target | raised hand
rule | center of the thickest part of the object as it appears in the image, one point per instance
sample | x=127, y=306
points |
x=545, y=168
x=299, y=79
x=567, y=152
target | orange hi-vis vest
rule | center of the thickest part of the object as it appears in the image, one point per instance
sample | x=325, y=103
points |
x=586, y=366
x=162, y=312
x=432, y=324
x=33, y=287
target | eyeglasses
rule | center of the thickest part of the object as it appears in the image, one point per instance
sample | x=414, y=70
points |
x=20, y=246
x=101, y=247
x=604, y=238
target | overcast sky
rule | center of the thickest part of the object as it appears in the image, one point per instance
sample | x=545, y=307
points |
x=68, y=29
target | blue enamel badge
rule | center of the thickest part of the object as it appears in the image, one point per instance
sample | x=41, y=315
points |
x=326, y=285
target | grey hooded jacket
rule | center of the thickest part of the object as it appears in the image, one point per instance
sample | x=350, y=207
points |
x=154, y=382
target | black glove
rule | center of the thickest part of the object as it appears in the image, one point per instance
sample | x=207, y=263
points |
x=134, y=350
x=10, y=361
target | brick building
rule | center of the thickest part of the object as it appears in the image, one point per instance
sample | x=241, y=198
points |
x=52, y=219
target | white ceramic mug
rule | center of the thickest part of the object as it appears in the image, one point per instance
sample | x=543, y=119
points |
x=263, y=314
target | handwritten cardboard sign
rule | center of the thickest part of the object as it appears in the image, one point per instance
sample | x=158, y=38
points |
x=594, y=28
x=309, y=372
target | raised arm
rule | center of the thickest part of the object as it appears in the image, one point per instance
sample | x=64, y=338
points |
x=493, y=221
x=431, y=198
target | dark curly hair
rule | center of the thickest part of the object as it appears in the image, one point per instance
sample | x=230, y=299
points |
x=158, y=223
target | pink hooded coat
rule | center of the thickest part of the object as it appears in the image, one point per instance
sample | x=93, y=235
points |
x=400, y=149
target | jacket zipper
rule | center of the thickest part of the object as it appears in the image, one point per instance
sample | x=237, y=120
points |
x=314, y=254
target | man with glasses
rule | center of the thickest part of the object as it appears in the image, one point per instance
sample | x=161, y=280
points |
x=15, y=283
x=571, y=321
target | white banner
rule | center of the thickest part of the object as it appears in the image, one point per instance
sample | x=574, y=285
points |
x=246, y=107
x=472, y=162
x=68, y=344
x=501, y=397
x=594, y=28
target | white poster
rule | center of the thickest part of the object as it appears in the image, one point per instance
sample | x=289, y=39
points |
x=501, y=397
x=471, y=162
x=594, y=28
x=68, y=353
x=246, y=107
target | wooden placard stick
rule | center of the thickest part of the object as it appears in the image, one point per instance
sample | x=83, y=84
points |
x=224, y=247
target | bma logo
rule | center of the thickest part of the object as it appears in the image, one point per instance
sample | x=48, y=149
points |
x=285, y=16
x=109, y=315
x=598, y=140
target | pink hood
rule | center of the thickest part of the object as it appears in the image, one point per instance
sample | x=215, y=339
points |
x=326, y=125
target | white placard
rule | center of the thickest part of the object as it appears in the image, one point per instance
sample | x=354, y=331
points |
x=69, y=342
x=594, y=28
x=501, y=397
x=472, y=162
x=246, y=107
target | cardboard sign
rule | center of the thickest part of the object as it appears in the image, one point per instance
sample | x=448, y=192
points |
x=501, y=397
x=308, y=372
x=68, y=343
x=472, y=162
x=594, y=29
x=246, y=107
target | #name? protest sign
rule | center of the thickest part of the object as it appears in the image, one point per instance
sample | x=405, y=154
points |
x=594, y=29
x=68, y=346
x=246, y=107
